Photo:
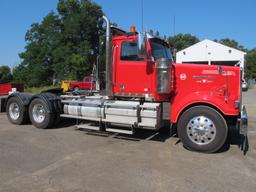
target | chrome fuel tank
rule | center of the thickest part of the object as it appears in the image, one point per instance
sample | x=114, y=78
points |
x=163, y=76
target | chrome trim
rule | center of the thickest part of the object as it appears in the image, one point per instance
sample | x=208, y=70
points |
x=109, y=78
x=38, y=113
x=203, y=77
x=201, y=130
x=14, y=111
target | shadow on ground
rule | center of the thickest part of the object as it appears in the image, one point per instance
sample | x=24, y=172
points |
x=234, y=138
x=64, y=123
x=139, y=134
x=241, y=141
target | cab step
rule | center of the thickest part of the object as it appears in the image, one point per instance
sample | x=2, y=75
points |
x=89, y=126
x=122, y=131
x=96, y=127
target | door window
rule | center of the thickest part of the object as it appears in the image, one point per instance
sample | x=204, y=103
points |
x=129, y=51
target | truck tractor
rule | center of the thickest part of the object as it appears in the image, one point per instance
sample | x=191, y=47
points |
x=145, y=89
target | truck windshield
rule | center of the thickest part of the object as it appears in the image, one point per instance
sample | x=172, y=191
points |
x=160, y=50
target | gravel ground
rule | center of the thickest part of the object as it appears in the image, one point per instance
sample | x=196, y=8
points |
x=67, y=159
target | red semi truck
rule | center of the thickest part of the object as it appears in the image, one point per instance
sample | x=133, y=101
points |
x=145, y=89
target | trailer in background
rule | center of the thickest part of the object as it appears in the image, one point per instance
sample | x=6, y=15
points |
x=7, y=88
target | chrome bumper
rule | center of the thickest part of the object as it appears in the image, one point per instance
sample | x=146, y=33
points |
x=243, y=121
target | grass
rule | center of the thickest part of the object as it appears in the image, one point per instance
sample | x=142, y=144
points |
x=39, y=89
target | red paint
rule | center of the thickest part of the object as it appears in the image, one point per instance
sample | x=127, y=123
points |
x=134, y=77
x=204, y=84
x=6, y=88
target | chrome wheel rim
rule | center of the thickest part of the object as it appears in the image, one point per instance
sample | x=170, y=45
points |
x=201, y=130
x=38, y=113
x=14, y=111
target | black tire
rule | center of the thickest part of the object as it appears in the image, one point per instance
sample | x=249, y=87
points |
x=209, y=136
x=49, y=117
x=56, y=106
x=21, y=111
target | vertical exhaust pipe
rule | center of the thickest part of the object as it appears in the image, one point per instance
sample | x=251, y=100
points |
x=109, y=78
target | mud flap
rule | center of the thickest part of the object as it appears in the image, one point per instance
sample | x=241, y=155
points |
x=243, y=128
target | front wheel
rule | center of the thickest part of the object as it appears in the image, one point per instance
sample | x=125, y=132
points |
x=203, y=129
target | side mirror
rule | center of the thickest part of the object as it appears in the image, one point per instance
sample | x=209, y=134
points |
x=142, y=45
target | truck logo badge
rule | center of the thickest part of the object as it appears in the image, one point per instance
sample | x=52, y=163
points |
x=183, y=76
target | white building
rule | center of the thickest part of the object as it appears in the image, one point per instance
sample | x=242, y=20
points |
x=212, y=53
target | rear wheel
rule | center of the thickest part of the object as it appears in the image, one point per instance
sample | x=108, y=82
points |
x=17, y=113
x=40, y=115
x=203, y=129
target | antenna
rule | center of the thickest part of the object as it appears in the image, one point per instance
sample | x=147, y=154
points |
x=174, y=25
x=142, y=14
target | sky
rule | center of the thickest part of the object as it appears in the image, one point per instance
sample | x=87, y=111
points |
x=206, y=19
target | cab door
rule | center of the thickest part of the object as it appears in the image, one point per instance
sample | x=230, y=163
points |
x=130, y=72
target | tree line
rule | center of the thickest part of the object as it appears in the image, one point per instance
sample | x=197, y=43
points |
x=65, y=45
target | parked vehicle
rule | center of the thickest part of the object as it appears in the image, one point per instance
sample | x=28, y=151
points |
x=244, y=85
x=145, y=89
x=88, y=83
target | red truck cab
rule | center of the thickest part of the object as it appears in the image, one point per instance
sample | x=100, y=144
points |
x=184, y=84
x=202, y=99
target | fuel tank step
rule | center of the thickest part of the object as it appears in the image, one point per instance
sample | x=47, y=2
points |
x=122, y=131
x=89, y=127
x=96, y=127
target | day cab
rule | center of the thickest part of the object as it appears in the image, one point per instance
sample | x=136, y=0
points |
x=204, y=101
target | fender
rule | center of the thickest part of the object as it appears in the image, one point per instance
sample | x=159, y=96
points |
x=52, y=100
x=180, y=103
x=25, y=98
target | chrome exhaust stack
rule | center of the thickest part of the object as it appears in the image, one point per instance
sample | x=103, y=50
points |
x=109, y=82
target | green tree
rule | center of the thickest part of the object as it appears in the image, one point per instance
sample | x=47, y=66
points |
x=64, y=45
x=5, y=74
x=37, y=61
x=232, y=43
x=250, y=64
x=182, y=41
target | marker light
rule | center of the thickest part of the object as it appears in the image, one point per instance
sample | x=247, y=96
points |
x=132, y=28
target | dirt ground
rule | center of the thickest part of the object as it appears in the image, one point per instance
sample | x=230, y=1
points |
x=71, y=160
